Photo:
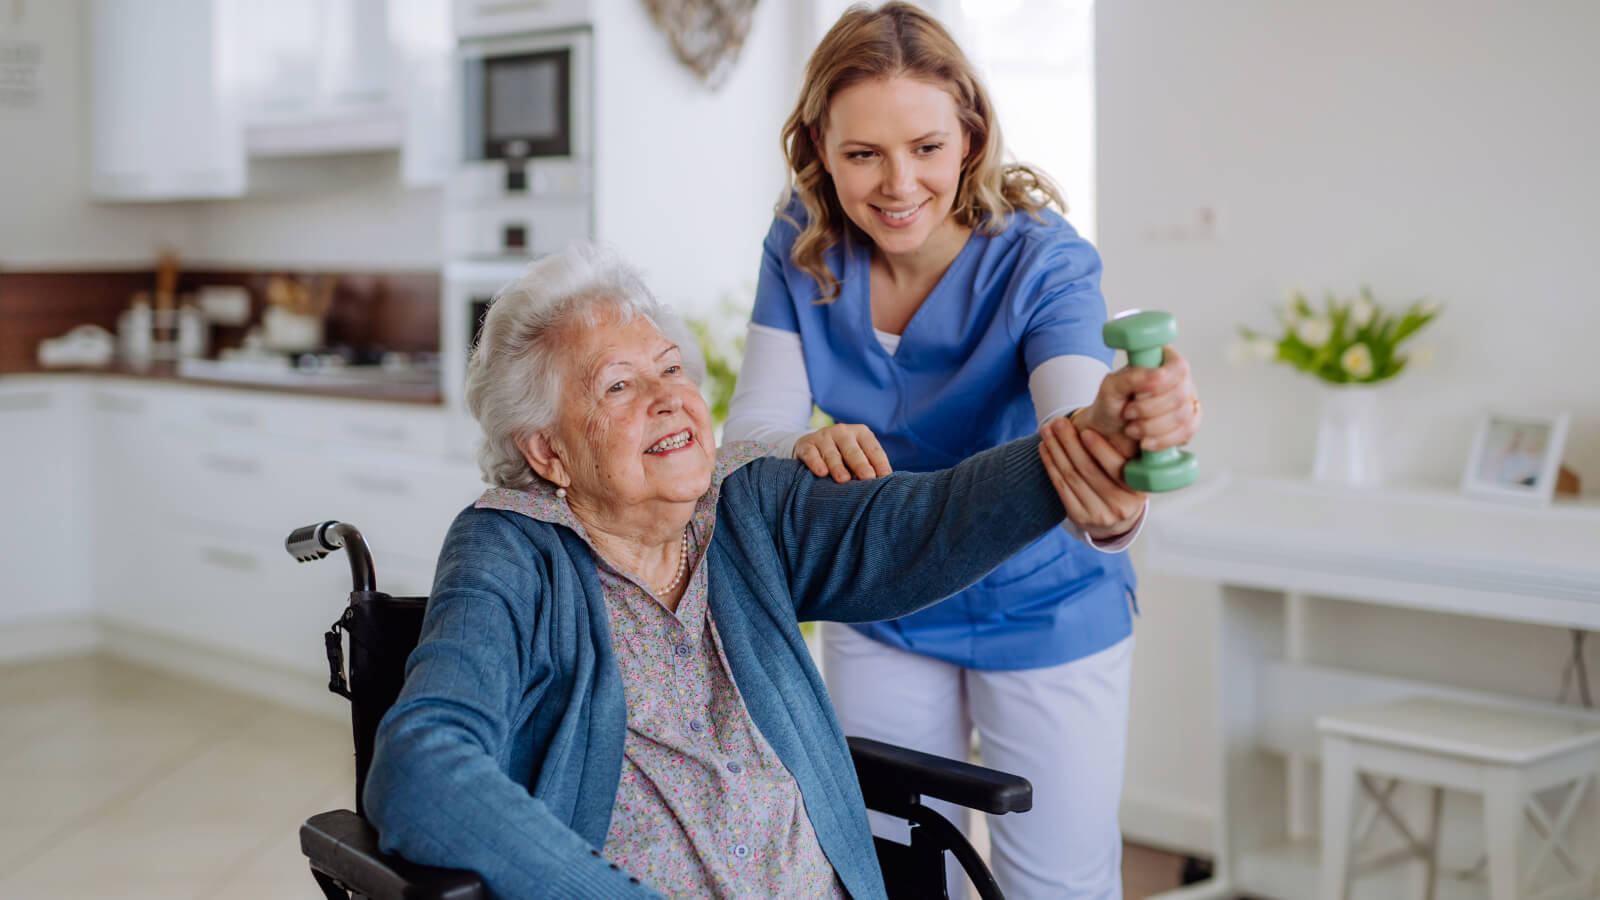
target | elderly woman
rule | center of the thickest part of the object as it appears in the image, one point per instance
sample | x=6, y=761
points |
x=611, y=696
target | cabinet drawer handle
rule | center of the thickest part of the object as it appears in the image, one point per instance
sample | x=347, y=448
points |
x=377, y=432
x=231, y=465
x=120, y=403
x=374, y=484
x=233, y=417
x=19, y=402
x=230, y=559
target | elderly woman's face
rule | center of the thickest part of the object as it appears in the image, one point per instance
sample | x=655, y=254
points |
x=633, y=427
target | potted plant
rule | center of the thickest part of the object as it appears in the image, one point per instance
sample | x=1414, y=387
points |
x=1349, y=343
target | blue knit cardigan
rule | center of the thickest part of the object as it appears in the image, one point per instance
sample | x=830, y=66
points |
x=503, y=752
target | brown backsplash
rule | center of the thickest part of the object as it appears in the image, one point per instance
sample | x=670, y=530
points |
x=393, y=310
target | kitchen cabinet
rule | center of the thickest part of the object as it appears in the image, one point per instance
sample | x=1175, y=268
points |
x=43, y=556
x=160, y=127
x=223, y=476
x=184, y=92
x=316, y=77
x=159, y=511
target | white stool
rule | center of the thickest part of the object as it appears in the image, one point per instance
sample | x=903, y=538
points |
x=1504, y=753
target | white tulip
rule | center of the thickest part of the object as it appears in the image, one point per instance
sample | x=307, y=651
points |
x=1357, y=360
x=1361, y=312
x=1313, y=332
x=1263, y=349
x=1422, y=356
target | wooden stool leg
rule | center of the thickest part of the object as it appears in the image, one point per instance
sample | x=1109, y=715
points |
x=1502, y=820
x=1338, y=801
x=1435, y=825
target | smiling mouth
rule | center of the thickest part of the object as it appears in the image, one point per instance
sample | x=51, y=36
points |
x=901, y=215
x=671, y=442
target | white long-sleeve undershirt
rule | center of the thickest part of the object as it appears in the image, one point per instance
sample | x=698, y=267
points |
x=772, y=401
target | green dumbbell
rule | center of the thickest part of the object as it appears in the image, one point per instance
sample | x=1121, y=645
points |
x=1143, y=333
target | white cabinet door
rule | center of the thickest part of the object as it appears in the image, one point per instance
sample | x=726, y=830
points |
x=159, y=129
x=424, y=56
x=163, y=508
x=271, y=51
x=44, y=553
x=306, y=59
x=133, y=477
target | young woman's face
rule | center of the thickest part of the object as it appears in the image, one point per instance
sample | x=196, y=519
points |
x=894, y=148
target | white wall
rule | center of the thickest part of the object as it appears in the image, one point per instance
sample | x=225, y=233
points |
x=1440, y=148
x=46, y=220
x=687, y=177
x=342, y=212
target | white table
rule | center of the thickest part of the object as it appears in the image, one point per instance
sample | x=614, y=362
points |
x=1274, y=545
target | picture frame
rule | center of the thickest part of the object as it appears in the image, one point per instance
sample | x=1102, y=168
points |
x=1516, y=455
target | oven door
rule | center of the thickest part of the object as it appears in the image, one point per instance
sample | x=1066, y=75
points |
x=467, y=290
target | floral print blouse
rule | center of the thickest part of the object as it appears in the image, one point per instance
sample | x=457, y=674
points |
x=704, y=808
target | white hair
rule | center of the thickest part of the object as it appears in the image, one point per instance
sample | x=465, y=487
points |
x=515, y=369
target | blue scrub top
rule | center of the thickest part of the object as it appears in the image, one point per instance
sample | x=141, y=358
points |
x=957, y=385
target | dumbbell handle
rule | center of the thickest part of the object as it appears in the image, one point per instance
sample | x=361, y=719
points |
x=1143, y=334
x=1148, y=358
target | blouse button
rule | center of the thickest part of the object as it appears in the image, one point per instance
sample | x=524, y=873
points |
x=735, y=768
x=683, y=649
x=741, y=851
x=694, y=725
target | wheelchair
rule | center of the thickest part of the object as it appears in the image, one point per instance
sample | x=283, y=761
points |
x=342, y=847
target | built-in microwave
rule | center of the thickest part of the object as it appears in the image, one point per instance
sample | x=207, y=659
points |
x=522, y=187
x=524, y=97
x=527, y=111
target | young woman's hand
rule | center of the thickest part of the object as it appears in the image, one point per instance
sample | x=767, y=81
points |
x=1145, y=409
x=843, y=451
x=1086, y=470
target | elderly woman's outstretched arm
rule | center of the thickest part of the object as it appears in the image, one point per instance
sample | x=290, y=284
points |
x=871, y=550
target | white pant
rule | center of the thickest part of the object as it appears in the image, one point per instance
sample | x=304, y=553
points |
x=1064, y=728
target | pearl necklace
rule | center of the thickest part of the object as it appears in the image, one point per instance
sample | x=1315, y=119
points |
x=683, y=564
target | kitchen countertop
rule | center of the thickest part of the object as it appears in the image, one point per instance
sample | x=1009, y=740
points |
x=425, y=394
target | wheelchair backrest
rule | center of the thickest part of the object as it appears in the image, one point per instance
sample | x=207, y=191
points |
x=383, y=630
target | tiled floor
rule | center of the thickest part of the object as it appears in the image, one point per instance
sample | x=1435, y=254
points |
x=118, y=781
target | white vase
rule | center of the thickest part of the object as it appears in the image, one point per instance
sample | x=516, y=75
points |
x=1347, y=440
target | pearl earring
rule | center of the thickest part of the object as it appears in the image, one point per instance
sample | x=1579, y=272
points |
x=561, y=493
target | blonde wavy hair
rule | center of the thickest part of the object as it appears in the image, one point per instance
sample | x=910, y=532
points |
x=898, y=39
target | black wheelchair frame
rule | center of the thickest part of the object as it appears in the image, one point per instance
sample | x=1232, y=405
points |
x=342, y=846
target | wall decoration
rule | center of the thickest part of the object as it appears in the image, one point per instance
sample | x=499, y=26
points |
x=21, y=60
x=706, y=34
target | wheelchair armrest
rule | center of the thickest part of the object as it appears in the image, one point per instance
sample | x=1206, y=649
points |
x=892, y=777
x=343, y=846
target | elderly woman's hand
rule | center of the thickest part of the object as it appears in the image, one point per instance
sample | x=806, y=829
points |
x=1086, y=470
x=1146, y=409
x=843, y=451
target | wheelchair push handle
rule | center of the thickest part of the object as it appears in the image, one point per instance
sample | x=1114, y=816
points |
x=314, y=542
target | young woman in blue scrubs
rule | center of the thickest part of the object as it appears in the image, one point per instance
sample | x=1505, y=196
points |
x=921, y=292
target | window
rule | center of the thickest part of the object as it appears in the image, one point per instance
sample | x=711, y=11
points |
x=1036, y=57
